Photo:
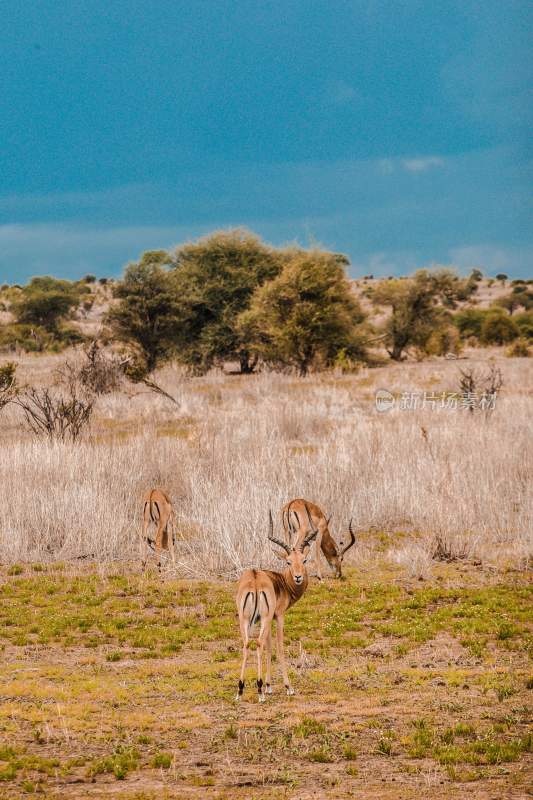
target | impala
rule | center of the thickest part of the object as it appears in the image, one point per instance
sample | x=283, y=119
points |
x=157, y=509
x=295, y=516
x=262, y=596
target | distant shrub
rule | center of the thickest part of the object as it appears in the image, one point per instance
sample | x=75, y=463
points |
x=469, y=322
x=89, y=278
x=35, y=339
x=498, y=328
x=519, y=349
x=45, y=302
x=443, y=341
x=524, y=322
x=8, y=383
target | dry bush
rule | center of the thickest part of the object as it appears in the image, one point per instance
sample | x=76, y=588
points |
x=57, y=415
x=238, y=447
x=415, y=558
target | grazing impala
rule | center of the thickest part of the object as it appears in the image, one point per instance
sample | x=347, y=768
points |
x=262, y=596
x=295, y=517
x=157, y=508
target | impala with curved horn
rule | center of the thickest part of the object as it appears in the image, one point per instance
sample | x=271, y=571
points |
x=295, y=524
x=263, y=595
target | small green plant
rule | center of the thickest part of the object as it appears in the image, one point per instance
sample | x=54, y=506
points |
x=163, y=760
x=116, y=656
x=504, y=691
x=231, y=732
x=384, y=746
x=16, y=569
x=122, y=761
x=307, y=727
x=320, y=756
x=422, y=739
x=349, y=752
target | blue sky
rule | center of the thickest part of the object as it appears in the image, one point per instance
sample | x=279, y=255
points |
x=395, y=132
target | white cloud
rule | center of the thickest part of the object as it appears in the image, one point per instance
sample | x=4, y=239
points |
x=386, y=166
x=68, y=250
x=514, y=260
x=422, y=164
x=38, y=203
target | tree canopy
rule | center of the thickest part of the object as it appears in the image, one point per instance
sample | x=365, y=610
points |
x=306, y=316
x=147, y=316
x=46, y=301
x=419, y=307
x=215, y=280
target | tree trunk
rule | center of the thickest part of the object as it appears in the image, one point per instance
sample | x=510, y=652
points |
x=248, y=363
x=396, y=352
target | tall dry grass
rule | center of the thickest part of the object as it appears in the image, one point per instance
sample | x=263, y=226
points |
x=239, y=446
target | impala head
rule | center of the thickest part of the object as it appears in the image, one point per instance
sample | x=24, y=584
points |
x=346, y=541
x=295, y=557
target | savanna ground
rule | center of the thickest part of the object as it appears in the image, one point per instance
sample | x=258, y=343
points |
x=413, y=676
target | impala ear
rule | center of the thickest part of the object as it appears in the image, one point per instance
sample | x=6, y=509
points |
x=280, y=554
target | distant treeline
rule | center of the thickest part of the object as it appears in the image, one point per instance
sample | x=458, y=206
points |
x=232, y=297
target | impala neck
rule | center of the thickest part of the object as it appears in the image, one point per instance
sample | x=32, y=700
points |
x=295, y=590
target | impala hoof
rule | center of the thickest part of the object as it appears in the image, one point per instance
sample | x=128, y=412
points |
x=268, y=689
x=237, y=698
x=290, y=691
x=261, y=698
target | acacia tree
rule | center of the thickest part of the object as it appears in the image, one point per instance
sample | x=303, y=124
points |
x=307, y=316
x=215, y=278
x=8, y=384
x=46, y=301
x=417, y=307
x=147, y=315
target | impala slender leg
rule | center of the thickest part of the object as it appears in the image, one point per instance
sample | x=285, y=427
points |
x=143, y=542
x=159, y=543
x=317, y=547
x=172, y=540
x=244, y=633
x=281, y=655
x=260, y=647
x=268, y=676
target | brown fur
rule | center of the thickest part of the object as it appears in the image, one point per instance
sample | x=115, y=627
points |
x=295, y=519
x=157, y=509
x=265, y=595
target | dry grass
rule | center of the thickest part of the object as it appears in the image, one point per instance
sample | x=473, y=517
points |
x=239, y=445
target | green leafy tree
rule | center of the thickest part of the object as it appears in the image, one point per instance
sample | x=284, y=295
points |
x=216, y=278
x=468, y=321
x=146, y=317
x=46, y=301
x=520, y=297
x=307, y=316
x=418, y=307
x=524, y=321
x=499, y=328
